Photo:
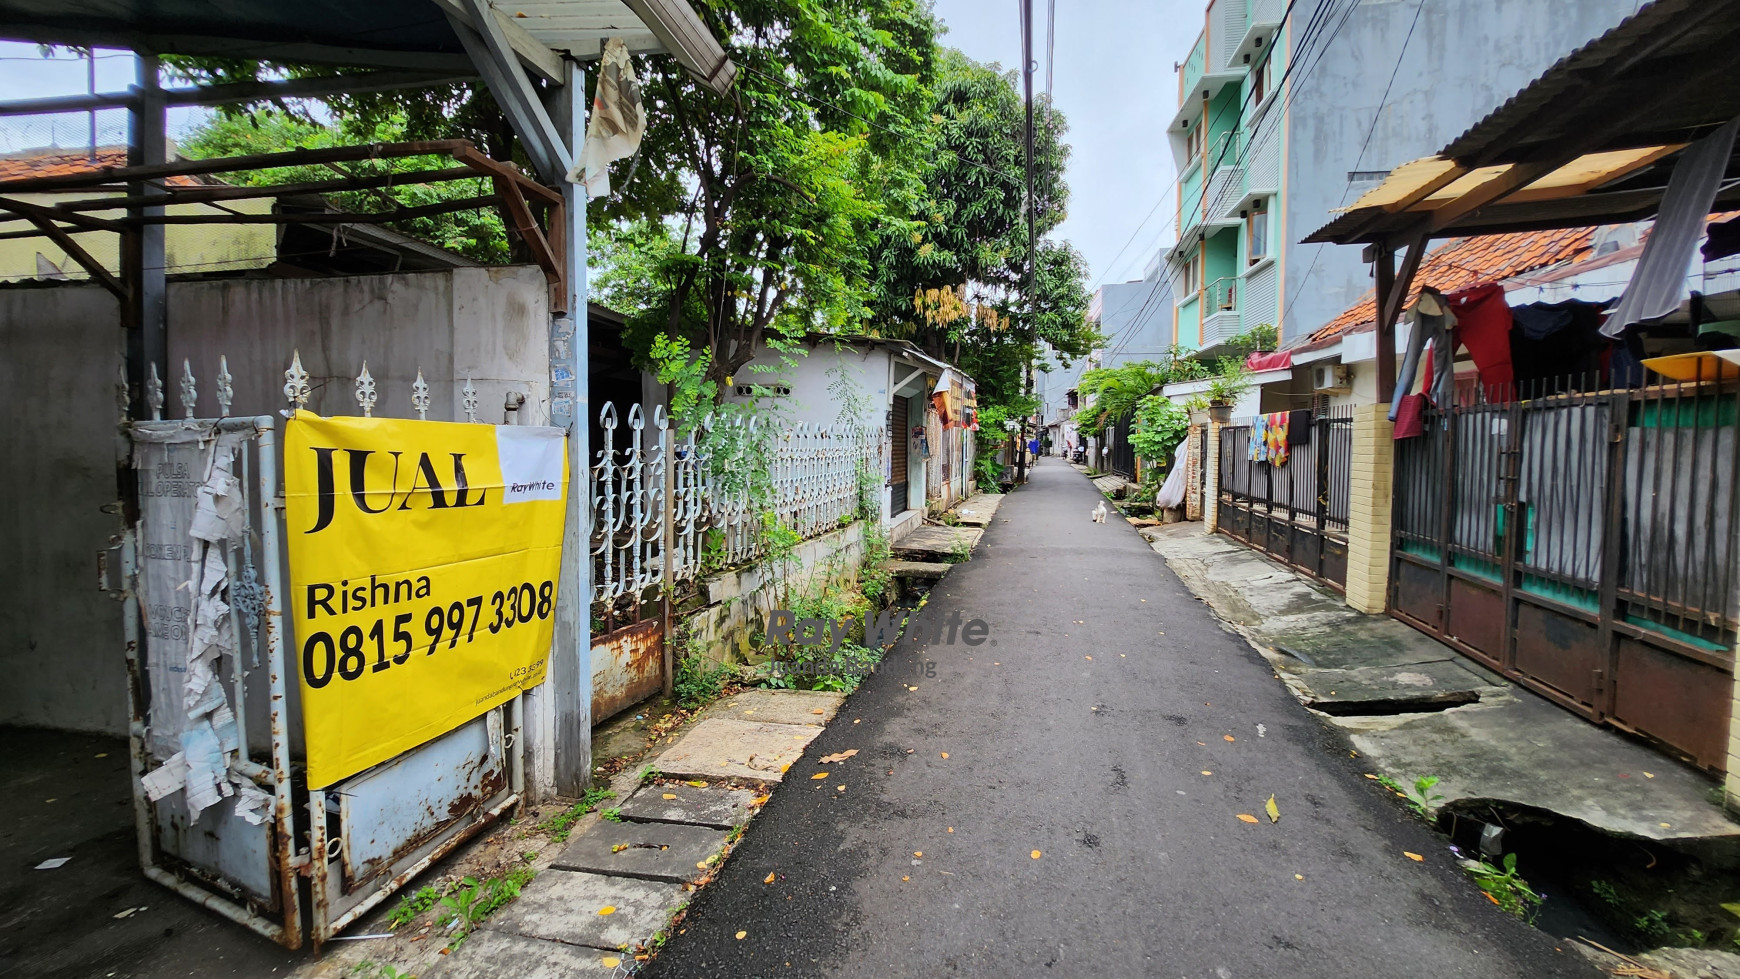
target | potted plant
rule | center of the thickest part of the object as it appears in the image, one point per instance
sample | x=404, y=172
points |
x=1224, y=390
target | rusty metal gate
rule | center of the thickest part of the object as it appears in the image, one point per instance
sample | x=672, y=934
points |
x=1295, y=512
x=223, y=811
x=1583, y=544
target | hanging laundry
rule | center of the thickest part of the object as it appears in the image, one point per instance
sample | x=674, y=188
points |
x=1258, y=450
x=1299, y=428
x=1411, y=416
x=1275, y=426
x=1483, y=326
x=1431, y=319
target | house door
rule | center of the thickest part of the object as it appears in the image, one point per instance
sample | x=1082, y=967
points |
x=897, y=416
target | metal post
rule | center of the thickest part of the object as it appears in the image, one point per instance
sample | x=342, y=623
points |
x=570, y=678
x=1384, y=261
x=669, y=515
x=142, y=252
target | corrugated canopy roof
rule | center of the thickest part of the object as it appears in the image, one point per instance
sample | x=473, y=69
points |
x=1591, y=141
x=412, y=34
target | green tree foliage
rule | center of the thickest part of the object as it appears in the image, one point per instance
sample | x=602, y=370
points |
x=751, y=212
x=1111, y=394
x=478, y=234
x=968, y=234
x=1159, y=426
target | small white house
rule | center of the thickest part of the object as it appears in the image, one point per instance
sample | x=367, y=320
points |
x=843, y=380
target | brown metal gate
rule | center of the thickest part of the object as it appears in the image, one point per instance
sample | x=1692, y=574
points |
x=1295, y=512
x=1583, y=544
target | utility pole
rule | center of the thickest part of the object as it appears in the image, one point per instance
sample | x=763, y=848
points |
x=1032, y=246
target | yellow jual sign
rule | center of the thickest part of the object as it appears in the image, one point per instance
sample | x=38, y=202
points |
x=423, y=563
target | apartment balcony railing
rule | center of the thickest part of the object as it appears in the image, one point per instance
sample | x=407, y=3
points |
x=1220, y=310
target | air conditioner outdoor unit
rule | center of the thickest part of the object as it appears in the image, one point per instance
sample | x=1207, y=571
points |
x=1331, y=379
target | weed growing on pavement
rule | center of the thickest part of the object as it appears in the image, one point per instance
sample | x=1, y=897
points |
x=1606, y=892
x=1507, y=889
x=376, y=970
x=1420, y=798
x=960, y=551
x=411, y=905
x=613, y=814
x=699, y=681
x=468, y=903
x=562, y=824
x=1652, y=924
x=649, y=774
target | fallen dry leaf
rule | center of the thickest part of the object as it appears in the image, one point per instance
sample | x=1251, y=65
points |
x=840, y=788
x=1207, y=772
x=1273, y=810
x=1648, y=775
x=1228, y=737
x=1411, y=855
x=1371, y=776
x=607, y=909
x=1035, y=854
x=670, y=795
x=945, y=754
x=610, y=961
x=951, y=829
x=1087, y=657
x=769, y=878
x=818, y=710
x=742, y=935
x=697, y=784
x=784, y=767
x=918, y=853
x=841, y=756
x=818, y=775
x=908, y=877
x=1298, y=876
x=1247, y=817
x=760, y=800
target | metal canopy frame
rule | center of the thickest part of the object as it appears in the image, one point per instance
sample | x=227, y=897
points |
x=536, y=209
x=529, y=57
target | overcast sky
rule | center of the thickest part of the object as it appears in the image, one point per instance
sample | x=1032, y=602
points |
x=1113, y=81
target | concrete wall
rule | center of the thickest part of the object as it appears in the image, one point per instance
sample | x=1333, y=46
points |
x=488, y=324
x=60, y=638
x=815, y=379
x=1136, y=318
x=1465, y=58
x=738, y=602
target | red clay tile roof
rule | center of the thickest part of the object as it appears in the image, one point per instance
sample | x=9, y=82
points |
x=1469, y=262
x=58, y=163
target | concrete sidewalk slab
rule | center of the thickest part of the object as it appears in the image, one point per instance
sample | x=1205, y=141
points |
x=977, y=510
x=562, y=906
x=713, y=806
x=930, y=543
x=718, y=748
x=811, y=707
x=671, y=852
x=494, y=954
x=1509, y=746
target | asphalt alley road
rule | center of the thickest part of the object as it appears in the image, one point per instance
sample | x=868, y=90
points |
x=1085, y=730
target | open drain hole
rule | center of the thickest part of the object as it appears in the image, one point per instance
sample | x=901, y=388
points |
x=1389, y=708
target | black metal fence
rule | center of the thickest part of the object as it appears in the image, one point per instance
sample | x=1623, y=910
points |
x=1584, y=541
x=1297, y=510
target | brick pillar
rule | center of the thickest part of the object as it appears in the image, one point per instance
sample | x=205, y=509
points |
x=1368, y=522
x=1192, y=463
x=1211, y=473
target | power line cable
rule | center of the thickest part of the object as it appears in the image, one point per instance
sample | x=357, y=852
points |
x=1382, y=102
x=1308, y=35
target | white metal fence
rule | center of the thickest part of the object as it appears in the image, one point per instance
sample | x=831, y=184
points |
x=727, y=479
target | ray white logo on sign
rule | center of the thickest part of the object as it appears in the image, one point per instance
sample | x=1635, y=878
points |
x=785, y=628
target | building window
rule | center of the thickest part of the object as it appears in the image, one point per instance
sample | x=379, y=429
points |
x=1193, y=139
x=1260, y=81
x=1193, y=275
x=1257, y=233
